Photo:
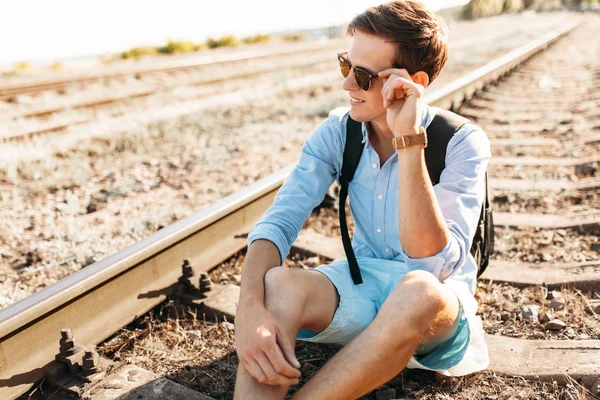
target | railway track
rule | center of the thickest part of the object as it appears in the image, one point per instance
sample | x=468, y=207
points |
x=8, y=91
x=182, y=90
x=85, y=100
x=99, y=300
x=170, y=87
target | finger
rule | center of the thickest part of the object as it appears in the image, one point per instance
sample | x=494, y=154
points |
x=287, y=348
x=387, y=93
x=391, y=96
x=401, y=88
x=273, y=378
x=384, y=93
x=254, y=370
x=267, y=368
x=398, y=71
x=280, y=364
x=396, y=82
x=398, y=94
x=393, y=82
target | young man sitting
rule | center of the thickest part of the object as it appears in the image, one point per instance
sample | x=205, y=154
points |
x=415, y=306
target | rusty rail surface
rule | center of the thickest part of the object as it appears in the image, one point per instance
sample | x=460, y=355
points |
x=100, y=299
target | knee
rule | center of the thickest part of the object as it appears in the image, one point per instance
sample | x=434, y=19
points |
x=282, y=291
x=424, y=288
x=421, y=296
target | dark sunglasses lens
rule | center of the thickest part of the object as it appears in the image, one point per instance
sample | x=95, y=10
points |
x=362, y=79
x=344, y=66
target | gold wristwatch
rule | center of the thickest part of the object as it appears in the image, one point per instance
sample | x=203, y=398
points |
x=404, y=141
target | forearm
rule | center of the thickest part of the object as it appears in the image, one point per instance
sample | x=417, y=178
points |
x=262, y=255
x=423, y=230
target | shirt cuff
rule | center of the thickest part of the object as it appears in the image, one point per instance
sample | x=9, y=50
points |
x=441, y=264
x=264, y=231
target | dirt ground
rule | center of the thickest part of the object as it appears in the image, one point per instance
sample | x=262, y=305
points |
x=71, y=199
x=201, y=355
x=539, y=202
x=177, y=342
x=91, y=214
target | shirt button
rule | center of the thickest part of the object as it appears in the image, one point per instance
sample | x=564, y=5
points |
x=380, y=197
x=387, y=250
x=374, y=165
x=378, y=230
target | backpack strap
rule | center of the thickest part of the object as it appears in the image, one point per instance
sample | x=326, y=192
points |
x=483, y=241
x=352, y=152
x=439, y=132
x=441, y=129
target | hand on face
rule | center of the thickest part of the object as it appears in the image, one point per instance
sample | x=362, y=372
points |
x=402, y=98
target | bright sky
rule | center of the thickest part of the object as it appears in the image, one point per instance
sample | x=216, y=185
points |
x=42, y=29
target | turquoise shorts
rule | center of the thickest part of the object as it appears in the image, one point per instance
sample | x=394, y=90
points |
x=359, y=305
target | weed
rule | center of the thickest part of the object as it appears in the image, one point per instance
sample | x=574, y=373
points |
x=294, y=37
x=224, y=41
x=257, y=39
x=138, y=52
x=21, y=67
x=178, y=47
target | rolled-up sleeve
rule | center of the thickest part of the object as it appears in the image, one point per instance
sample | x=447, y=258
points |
x=460, y=195
x=304, y=188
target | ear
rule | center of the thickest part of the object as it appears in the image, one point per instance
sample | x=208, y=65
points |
x=421, y=78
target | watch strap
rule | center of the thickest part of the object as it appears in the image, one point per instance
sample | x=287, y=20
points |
x=404, y=141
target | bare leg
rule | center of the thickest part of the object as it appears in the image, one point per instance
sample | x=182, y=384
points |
x=421, y=308
x=297, y=299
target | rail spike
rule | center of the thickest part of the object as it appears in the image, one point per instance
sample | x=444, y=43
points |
x=68, y=361
x=189, y=278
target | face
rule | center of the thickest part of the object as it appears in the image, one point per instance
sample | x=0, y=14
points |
x=373, y=54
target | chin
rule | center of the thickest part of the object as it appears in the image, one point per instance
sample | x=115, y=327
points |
x=359, y=116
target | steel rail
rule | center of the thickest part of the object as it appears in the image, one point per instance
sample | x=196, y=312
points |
x=202, y=60
x=100, y=299
x=457, y=92
x=137, y=94
x=134, y=95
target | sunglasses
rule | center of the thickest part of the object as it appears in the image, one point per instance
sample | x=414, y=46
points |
x=362, y=76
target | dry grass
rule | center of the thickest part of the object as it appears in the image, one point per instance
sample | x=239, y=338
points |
x=177, y=342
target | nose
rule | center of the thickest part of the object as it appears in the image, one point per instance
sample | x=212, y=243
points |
x=349, y=83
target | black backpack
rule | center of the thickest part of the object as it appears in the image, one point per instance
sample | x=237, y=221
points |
x=443, y=127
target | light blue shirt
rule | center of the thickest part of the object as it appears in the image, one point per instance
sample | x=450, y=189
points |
x=374, y=195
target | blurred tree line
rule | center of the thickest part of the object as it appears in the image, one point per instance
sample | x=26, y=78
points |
x=486, y=8
x=173, y=47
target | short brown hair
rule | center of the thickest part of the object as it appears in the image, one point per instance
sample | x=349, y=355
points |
x=420, y=36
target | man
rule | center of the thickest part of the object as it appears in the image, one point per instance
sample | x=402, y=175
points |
x=416, y=305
